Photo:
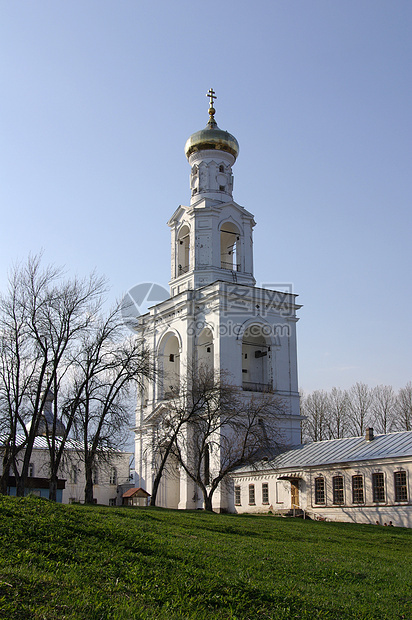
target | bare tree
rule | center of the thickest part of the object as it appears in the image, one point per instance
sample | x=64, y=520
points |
x=211, y=428
x=315, y=409
x=40, y=318
x=360, y=403
x=337, y=414
x=384, y=408
x=404, y=408
x=106, y=366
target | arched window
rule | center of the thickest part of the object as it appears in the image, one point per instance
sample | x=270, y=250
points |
x=170, y=366
x=183, y=250
x=255, y=360
x=230, y=257
x=205, y=349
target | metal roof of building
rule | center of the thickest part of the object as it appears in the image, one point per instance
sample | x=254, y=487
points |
x=41, y=443
x=347, y=450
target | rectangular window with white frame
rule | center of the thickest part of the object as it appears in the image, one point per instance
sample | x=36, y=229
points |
x=320, y=490
x=113, y=475
x=357, y=490
x=251, y=494
x=337, y=485
x=401, y=489
x=265, y=493
x=237, y=496
x=378, y=487
x=73, y=475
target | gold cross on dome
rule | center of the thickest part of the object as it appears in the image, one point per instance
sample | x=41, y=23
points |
x=211, y=95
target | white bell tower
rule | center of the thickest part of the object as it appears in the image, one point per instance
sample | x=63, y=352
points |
x=216, y=315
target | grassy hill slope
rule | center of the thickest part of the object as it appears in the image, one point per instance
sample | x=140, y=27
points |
x=60, y=562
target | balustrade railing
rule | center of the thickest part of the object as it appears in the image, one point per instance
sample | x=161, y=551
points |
x=229, y=266
x=183, y=269
x=251, y=386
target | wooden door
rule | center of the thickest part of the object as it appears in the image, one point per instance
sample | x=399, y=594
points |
x=294, y=493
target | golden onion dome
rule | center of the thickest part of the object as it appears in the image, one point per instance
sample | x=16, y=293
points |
x=211, y=137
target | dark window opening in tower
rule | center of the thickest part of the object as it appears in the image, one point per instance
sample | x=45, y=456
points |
x=183, y=251
x=205, y=350
x=256, y=375
x=230, y=255
x=170, y=367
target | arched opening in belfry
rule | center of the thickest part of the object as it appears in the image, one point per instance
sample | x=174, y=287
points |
x=230, y=247
x=205, y=353
x=183, y=250
x=256, y=376
x=170, y=366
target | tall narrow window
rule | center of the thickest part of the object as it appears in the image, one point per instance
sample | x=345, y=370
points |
x=113, y=476
x=31, y=470
x=237, y=496
x=357, y=490
x=73, y=475
x=170, y=375
x=378, y=487
x=230, y=247
x=319, y=490
x=338, y=490
x=401, y=491
x=183, y=251
x=251, y=494
x=265, y=493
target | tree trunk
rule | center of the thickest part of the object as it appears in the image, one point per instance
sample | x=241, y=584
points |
x=208, y=503
x=88, y=489
x=53, y=487
x=21, y=482
x=155, y=487
x=4, y=478
x=159, y=474
x=4, y=482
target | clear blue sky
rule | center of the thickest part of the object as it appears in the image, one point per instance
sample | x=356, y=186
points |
x=99, y=97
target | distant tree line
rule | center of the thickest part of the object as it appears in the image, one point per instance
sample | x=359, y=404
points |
x=347, y=413
x=56, y=339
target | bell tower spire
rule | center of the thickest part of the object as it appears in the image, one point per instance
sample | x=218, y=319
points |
x=212, y=238
x=211, y=153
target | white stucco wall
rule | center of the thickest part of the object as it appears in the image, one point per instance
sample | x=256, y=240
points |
x=400, y=513
x=104, y=491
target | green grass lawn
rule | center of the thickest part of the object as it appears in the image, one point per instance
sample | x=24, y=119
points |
x=120, y=563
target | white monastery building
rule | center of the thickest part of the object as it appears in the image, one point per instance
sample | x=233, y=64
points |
x=216, y=316
x=111, y=476
x=356, y=479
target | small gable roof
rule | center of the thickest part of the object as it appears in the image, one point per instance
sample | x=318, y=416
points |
x=136, y=493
